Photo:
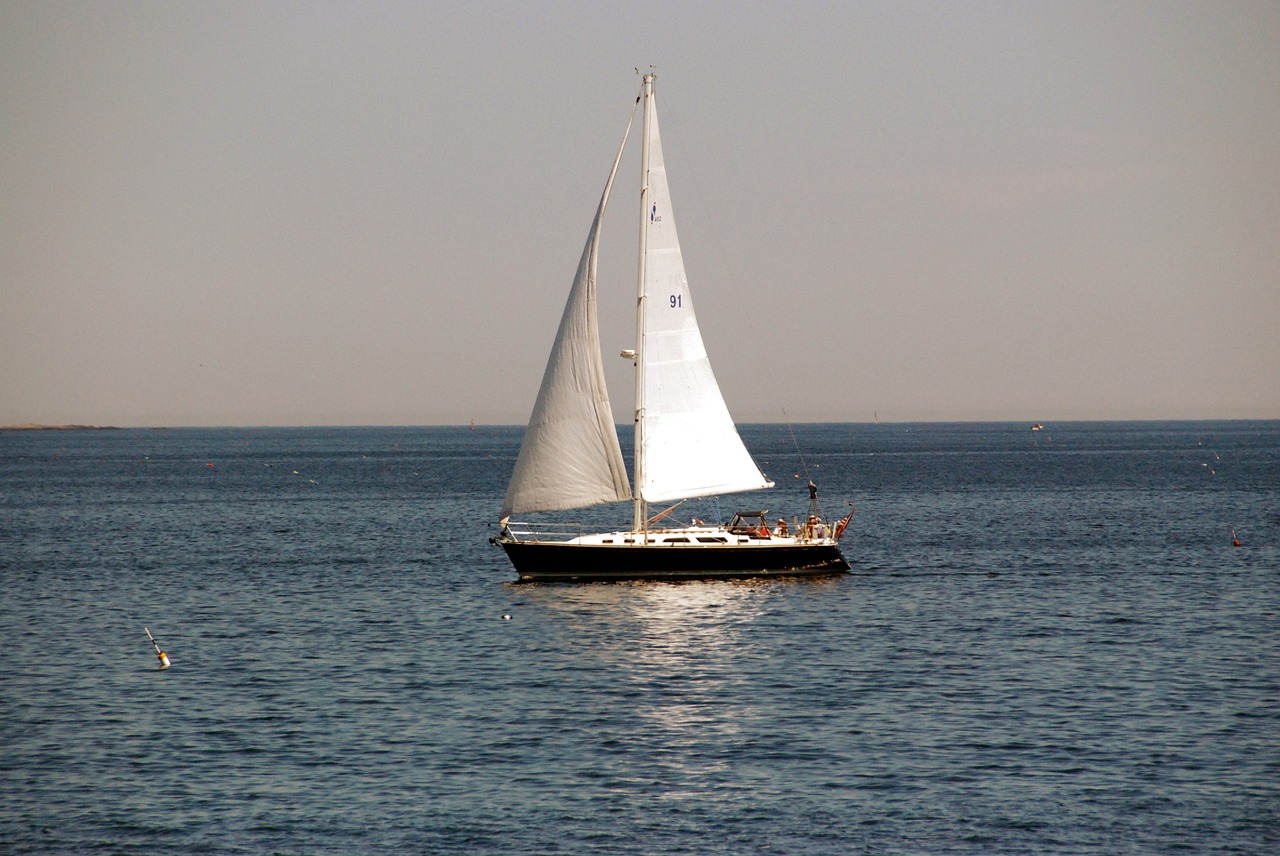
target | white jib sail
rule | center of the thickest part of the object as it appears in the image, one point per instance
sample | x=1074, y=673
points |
x=570, y=456
x=690, y=445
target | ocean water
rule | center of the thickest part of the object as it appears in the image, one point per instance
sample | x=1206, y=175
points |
x=1049, y=645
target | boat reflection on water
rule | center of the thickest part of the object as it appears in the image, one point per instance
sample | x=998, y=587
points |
x=672, y=666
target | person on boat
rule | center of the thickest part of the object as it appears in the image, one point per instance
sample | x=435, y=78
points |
x=782, y=528
x=815, y=528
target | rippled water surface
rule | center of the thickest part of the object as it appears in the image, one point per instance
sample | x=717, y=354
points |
x=1049, y=644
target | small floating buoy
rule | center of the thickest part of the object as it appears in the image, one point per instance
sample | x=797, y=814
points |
x=506, y=616
x=1235, y=542
x=160, y=655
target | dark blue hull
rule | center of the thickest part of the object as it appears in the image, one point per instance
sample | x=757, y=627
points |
x=549, y=561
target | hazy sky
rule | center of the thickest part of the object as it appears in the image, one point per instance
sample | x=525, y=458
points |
x=370, y=213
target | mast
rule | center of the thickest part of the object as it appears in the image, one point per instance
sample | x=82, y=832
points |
x=640, y=515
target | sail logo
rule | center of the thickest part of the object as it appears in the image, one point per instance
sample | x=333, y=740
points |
x=653, y=214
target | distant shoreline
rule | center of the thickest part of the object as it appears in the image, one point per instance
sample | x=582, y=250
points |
x=58, y=428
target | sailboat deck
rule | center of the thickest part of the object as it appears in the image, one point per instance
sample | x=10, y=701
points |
x=694, y=537
x=691, y=536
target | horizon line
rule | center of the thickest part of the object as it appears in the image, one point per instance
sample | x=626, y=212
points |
x=77, y=426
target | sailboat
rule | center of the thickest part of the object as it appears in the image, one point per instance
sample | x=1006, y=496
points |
x=686, y=444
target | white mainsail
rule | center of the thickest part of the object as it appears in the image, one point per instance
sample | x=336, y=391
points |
x=688, y=441
x=570, y=456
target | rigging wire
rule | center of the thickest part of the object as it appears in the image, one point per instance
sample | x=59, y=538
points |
x=804, y=465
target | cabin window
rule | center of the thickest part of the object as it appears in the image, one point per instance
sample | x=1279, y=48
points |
x=712, y=541
x=675, y=540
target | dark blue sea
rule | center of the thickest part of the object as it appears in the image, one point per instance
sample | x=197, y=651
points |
x=1049, y=644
